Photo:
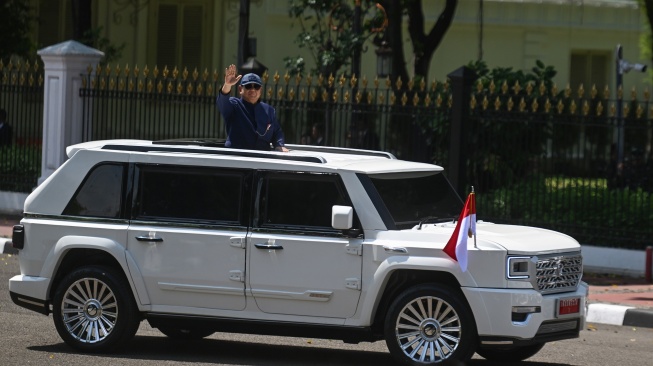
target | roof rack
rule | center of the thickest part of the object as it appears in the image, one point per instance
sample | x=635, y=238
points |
x=207, y=142
x=250, y=154
x=341, y=150
x=212, y=142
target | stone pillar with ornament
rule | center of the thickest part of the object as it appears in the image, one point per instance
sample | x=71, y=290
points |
x=64, y=66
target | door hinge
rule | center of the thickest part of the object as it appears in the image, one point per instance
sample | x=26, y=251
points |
x=237, y=275
x=354, y=249
x=353, y=283
x=237, y=241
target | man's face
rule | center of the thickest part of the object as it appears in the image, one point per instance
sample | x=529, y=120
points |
x=250, y=92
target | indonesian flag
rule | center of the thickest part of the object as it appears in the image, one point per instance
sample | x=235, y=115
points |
x=456, y=248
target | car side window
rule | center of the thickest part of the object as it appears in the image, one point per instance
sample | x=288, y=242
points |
x=100, y=194
x=196, y=194
x=300, y=199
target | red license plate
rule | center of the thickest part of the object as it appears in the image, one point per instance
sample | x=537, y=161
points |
x=570, y=305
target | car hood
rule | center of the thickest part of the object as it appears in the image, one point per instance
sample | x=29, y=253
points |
x=515, y=239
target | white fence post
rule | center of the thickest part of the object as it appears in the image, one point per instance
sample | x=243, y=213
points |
x=64, y=65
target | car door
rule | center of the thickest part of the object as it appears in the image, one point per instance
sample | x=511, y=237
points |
x=299, y=264
x=187, y=235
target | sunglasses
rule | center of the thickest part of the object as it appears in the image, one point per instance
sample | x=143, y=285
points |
x=252, y=86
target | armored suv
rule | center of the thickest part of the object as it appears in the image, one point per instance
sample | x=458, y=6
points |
x=318, y=242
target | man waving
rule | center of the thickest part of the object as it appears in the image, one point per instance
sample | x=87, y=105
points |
x=250, y=123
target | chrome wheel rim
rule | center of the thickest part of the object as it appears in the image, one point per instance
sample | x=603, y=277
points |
x=89, y=310
x=428, y=330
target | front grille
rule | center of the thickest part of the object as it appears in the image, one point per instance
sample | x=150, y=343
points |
x=559, y=273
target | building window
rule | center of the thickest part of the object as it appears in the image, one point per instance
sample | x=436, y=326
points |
x=589, y=68
x=182, y=32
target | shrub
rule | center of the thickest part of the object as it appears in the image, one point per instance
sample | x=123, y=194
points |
x=20, y=167
x=586, y=209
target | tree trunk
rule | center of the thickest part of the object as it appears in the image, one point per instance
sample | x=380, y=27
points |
x=424, y=45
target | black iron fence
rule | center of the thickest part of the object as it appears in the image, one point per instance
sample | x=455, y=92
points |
x=535, y=155
x=21, y=97
x=572, y=162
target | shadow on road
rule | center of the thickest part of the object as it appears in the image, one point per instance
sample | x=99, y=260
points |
x=246, y=353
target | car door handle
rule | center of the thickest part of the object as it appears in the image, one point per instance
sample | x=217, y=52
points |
x=395, y=249
x=149, y=238
x=268, y=246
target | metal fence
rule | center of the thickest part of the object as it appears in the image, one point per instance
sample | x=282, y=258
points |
x=578, y=162
x=21, y=96
x=535, y=155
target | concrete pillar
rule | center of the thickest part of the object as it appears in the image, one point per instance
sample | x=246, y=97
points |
x=64, y=65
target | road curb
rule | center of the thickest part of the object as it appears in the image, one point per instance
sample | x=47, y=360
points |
x=619, y=315
x=639, y=318
x=6, y=247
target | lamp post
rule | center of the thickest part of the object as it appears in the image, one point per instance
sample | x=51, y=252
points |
x=621, y=67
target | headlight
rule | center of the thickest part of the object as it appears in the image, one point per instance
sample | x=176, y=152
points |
x=521, y=268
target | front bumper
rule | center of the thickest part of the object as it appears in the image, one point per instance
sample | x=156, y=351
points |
x=496, y=324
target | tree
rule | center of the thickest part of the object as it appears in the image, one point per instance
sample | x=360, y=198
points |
x=15, y=24
x=424, y=44
x=646, y=40
x=93, y=37
x=326, y=30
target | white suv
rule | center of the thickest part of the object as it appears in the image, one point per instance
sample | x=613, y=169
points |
x=319, y=242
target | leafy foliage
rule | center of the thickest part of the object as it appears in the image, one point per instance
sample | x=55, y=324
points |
x=15, y=25
x=20, y=166
x=606, y=218
x=94, y=38
x=540, y=73
x=495, y=153
x=326, y=31
x=646, y=36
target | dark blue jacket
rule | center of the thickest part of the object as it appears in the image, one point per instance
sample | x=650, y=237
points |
x=249, y=126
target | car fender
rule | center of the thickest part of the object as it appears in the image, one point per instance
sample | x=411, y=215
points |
x=384, y=270
x=113, y=248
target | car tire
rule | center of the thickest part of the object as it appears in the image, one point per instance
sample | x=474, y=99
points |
x=513, y=354
x=188, y=334
x=94, y=310
x=429, y=324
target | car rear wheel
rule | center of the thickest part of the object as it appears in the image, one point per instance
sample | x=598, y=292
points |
x=514, y=354
x=430, y=324
x=94, y=310
x=185, y=334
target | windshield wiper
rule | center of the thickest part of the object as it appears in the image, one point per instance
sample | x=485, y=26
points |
x=427, y=219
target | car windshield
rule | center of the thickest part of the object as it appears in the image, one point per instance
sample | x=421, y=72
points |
x=414, y=197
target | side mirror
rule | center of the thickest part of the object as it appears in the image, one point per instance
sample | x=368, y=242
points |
x=342, y=217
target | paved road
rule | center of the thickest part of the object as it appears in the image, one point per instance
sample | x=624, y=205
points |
x=30, y=339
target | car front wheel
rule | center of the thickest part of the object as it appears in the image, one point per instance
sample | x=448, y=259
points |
x=430, y=324
x=93, y=309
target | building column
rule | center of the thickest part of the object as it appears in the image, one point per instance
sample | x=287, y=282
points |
x=64, y=65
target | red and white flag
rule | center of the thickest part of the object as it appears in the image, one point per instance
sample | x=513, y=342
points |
x=456, y=248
